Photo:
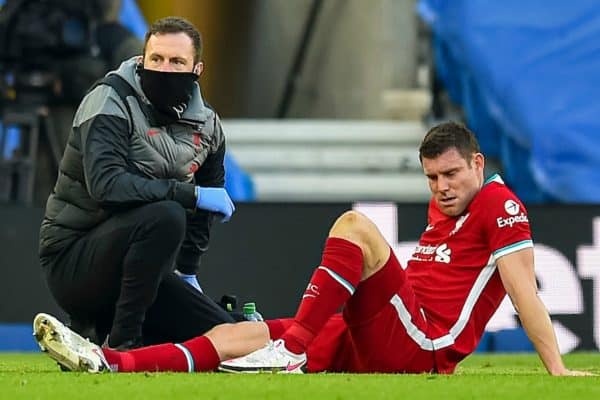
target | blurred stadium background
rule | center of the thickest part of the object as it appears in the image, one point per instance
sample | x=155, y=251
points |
x=324, y=103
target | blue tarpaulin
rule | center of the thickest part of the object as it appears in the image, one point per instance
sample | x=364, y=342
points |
x=527, y=75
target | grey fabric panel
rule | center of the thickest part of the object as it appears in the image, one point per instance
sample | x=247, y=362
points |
x=102, y=100
x=127, y=71
x=167, y=152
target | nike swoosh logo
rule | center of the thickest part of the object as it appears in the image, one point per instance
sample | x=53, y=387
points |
x=428, y=228
x=292, y=367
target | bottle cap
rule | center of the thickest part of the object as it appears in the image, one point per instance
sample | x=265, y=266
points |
x=249, y=308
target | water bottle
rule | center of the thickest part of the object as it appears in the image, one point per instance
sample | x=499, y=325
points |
x=250, y=312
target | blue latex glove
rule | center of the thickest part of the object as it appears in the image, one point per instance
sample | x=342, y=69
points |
x=215, y=199
x=191, y=280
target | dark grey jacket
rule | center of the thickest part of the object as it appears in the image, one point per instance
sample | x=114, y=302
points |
x=114, y=161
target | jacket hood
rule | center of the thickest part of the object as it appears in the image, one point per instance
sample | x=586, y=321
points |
x=196, y=111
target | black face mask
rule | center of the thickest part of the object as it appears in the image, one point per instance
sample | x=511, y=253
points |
x=169, y=92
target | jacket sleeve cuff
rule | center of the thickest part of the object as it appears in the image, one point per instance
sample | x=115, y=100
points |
x=188, y=264
x=185, y=194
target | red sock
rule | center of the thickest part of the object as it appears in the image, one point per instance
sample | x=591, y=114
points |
x=197, y=354
x=277, y=327
x=204, y=353
x=332, y=283
x=119, y=361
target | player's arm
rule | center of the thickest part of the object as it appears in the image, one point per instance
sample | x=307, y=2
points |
x=518, y=277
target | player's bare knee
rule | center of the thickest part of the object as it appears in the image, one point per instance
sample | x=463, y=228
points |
x=351, y=226
x=360, y=230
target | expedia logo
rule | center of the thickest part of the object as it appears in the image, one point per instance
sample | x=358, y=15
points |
x=510, y=221
x=511, y=207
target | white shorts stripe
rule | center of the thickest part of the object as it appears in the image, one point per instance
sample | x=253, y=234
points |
x=421, y=338
x=415, y=333
x=188, y=356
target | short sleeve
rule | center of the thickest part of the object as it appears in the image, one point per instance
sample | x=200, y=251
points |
x=506, y=223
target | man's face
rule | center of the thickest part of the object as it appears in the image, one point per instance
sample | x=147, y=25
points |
x=171, y=52
x=452, y=180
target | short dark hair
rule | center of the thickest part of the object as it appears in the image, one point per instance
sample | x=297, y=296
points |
x=449, y=135
x=176, y=25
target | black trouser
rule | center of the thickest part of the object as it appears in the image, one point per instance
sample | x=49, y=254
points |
x=120, y=276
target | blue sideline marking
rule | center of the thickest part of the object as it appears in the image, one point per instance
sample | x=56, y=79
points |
x=17, y=337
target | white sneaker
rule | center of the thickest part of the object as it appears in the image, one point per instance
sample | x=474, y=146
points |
x=274, y=358
x=70, y=350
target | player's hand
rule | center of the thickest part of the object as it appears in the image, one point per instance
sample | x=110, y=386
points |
x=569, y=372
x=215, y=199
x=579, y=373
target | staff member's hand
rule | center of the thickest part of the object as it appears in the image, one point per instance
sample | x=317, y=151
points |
x=215, y=199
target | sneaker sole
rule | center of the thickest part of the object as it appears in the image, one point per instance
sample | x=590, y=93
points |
x=242, y=370
x=45, y=331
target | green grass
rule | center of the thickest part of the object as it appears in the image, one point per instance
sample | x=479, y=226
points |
x=35, y=376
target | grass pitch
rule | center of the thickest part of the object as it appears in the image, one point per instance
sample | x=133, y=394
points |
x=514, y=376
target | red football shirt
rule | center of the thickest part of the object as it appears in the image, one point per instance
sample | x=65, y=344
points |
x=453, y=270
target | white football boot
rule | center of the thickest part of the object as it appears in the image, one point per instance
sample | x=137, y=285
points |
x=273, y=358
x=70, y=350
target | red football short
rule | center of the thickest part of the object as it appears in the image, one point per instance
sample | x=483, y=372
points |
x=374, y=333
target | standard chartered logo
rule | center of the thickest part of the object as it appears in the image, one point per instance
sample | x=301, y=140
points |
x=510, y=221
x=442, y=253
